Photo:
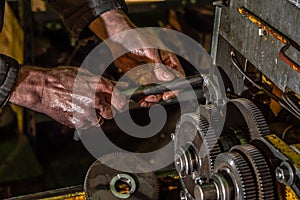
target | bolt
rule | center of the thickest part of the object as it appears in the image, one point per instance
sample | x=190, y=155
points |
x=221, y=3
x=280, y=174
x=284, y=174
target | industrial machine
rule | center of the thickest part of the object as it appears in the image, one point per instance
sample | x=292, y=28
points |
x=257, y=154
x=246, y=145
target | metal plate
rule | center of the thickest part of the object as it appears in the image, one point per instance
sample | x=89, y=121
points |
x=262, y=51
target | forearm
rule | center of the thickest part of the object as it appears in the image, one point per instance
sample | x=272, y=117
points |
x=111, y=23
x=54, y=92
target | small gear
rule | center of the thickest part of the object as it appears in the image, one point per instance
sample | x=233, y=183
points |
x=235, y=166
x=255, y=120
x=261, y=170
x=106, y=183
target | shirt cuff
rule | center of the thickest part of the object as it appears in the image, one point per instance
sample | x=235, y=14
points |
x=78, y=14
x=9, y=68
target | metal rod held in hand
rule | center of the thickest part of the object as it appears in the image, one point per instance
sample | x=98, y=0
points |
x=152, y=89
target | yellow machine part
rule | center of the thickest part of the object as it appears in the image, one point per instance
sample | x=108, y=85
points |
x=12, y=36
x=291, y=154
x=285, y=149
x=290, y=194
x=73, y=196
x=12, y=44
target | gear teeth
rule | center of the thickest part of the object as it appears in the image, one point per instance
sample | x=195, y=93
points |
x=211, y=112
x=156, y=194
x=240, y=169
x=254, y=118
x=261, y=170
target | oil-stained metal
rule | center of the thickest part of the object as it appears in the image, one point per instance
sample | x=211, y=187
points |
x=261, y=24
x=279, y=36
x=240, y=34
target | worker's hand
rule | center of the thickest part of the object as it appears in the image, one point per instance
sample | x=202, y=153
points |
x=81, y=104
x=163, y=65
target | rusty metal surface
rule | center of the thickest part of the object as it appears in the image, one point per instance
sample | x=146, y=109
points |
x=262, y=49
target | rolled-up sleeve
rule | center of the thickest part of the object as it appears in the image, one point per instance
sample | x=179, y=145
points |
x=78, y=14
x=8, y=74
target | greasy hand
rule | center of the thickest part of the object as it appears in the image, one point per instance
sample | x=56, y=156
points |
x=52, y=91
x=164, y=65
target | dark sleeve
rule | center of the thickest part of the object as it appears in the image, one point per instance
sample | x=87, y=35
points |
x=78, y=14
x=9, y=68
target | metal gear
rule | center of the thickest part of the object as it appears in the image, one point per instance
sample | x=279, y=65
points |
x=261, y=170
x=211, y=113
x=255, y=120
x=196, y=148
x=106, y=183
x=235, y=166
x=190, y=129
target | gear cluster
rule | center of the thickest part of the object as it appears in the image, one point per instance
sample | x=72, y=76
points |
x=215, y=163
x=219, y=154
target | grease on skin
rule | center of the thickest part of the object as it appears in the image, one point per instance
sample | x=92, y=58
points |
x=50, y=91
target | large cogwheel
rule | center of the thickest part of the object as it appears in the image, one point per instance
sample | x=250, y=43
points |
x=261, y=170
x=107, y=183
x=234, y=166
x=196, y=148
x=255, y=120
